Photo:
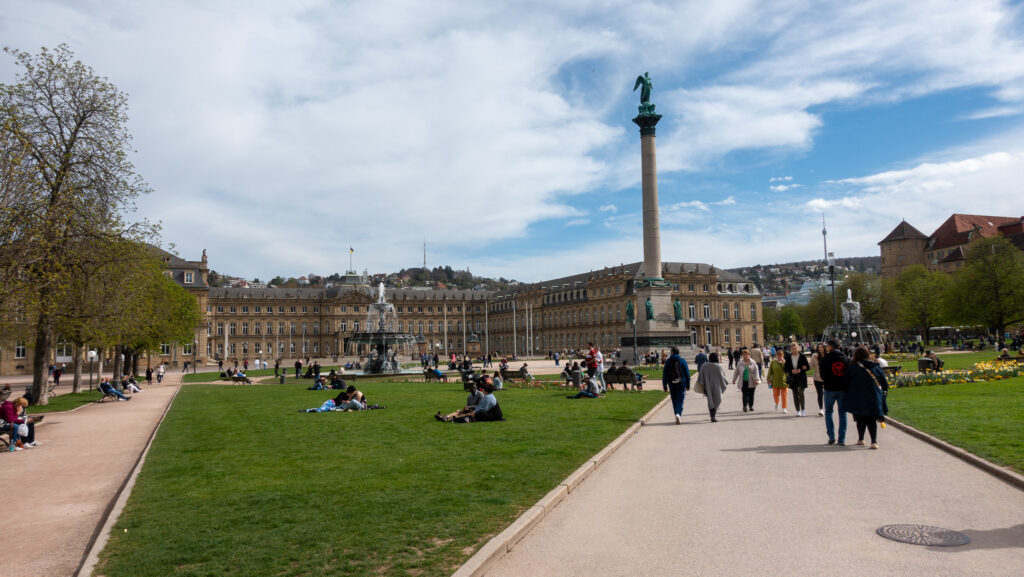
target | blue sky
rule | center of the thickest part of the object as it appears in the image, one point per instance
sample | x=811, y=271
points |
x=276, y=135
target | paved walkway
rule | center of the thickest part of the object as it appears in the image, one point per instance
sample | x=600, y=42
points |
x=56, y=494
x=761, y=494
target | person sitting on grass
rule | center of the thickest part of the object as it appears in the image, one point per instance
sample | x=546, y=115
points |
x=108, y=389
x=496, y=381
x=487, y=410
x=319, y=385
x=472, y=401
x=350, y=400
x=588, y=389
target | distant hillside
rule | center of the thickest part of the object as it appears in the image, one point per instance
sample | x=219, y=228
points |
x=781, y=278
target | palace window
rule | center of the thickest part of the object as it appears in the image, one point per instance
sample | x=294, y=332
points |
x=753, y=312
x=293, y=328
x=220, y=308
x=342, y=326
x=736, y=311
x=188, y=278
x=280, y=328
x=291, y=309
x=232, y=309
x=245, y=308
x=231, y=328
x=245, y=328
x=725, y=311
x=220, y=328
x=707, y=312
x=257, y=309
x=692, y=310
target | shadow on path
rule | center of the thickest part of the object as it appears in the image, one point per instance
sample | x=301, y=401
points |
x=1005, y=538
x=789, y=449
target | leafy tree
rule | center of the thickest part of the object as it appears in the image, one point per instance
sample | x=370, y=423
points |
x=989, y=290
x=790, y=323
x=921, y=293
x=770, y=320
x=71, y=126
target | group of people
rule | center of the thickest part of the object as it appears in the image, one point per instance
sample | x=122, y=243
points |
x=481, y=405
x=854, y=384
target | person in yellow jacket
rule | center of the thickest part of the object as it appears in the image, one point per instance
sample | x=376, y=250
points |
x=776, y=377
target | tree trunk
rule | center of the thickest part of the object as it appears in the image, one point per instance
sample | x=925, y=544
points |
x=118, y=363
x=40, y=360
x=76, y=384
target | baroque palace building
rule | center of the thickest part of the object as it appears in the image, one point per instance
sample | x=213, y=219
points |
x=719, y=308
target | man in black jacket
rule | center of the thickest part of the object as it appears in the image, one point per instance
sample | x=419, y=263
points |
x=833, y=372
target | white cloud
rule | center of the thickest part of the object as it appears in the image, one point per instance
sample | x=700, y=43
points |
x=608, y=208
x=699, y=205
x=727, y=201
x=783, y=187
x=780, y=178
x=578, y=222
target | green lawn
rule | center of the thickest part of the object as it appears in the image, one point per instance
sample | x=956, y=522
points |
x=953, y=360
x=986, y=419
x=239, y=482
x=66, y=402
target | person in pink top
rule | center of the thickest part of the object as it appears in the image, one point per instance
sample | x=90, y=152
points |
x=12, y=412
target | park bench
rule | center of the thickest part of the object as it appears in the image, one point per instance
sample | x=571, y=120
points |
x=622, y=379
x=428, y=376
x=236, y=380
x=106, y=396
x=508, y=375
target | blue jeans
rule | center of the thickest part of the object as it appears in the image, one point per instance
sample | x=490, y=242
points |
x=836, y=398
x=678, y=394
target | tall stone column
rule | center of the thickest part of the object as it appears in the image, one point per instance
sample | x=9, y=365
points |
x=649, y=188
x=658, y=322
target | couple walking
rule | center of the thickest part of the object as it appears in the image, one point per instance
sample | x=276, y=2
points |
x=711, y=382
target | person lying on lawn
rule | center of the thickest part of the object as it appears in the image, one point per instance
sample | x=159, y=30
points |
x=350, y=400
x=487, y=410
x=472, y=401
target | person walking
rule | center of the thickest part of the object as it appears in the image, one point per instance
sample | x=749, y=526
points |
x=700, y=359
x=298, y=368
x=833, y=372
x=819, y=381
x=757, y=356
x=866, y=388
x=751, y=376
x=776, y=378
x=149, y=376
x=711, y=380
x=675, y=376
x=160, y=373
x=796, y=376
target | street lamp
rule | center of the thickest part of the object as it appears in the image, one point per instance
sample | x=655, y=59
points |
x=92, y=360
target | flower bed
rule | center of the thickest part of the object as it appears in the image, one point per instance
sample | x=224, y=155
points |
x=986, y=371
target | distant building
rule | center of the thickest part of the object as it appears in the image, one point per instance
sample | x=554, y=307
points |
x=945, y=249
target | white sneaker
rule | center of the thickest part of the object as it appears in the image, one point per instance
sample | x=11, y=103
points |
x=776, y=407
x=785, y=411
x=821, y=412
x=678, y=419
x=17, y=448
x=30, y=445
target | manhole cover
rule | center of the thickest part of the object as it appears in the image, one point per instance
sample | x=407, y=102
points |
x=924, y=535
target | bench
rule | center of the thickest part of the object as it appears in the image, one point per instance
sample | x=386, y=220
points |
x=518, y=374
x=429, y=375
x=106, y=396
x=891, y=371
x=623, y=379
x=237, y=380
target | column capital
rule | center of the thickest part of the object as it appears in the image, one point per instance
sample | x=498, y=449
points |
x=646, y=121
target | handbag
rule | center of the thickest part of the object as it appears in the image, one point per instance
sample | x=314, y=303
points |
x=698, y=387
x=23, y=430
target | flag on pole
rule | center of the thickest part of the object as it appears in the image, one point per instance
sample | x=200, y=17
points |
x=350, y=250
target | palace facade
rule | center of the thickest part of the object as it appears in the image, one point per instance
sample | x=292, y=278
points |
x=719, y=308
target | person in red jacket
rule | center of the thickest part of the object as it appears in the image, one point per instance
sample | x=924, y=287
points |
x=13, y=413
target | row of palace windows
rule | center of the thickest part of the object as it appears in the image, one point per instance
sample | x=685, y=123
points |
x=259, y=309
x=306, y=328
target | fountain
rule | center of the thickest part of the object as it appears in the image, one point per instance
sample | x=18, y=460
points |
x=381, y=337
x=853, y=329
